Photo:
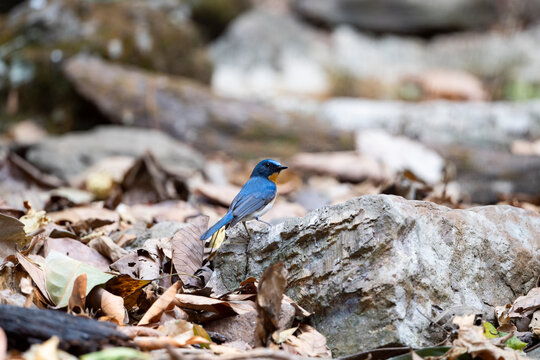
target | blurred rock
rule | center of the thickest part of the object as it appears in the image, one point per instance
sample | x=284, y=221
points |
x=69, y=155
x=399, y=153
x=254, y=59
x=189, y=111
x=423, y=17
x=368, y=267
x=343, y=165
x=443, y=84
x=440, y=122
x=266, y=53
x=26, y=133
x=38, y=36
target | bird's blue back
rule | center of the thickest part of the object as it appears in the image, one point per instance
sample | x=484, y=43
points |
x=256, y=194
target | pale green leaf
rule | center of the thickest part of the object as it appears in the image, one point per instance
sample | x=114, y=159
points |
x=118, y=353
x=515, y=343
x=61, y=272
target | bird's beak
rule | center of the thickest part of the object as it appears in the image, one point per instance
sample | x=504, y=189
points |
x=282, y=167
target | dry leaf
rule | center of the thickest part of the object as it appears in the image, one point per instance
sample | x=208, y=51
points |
x=524, y=306
x=33, y=220
x=270, y=293
x=127, y=288
x=155, y=343
x=535, y=323
x=12, y=235
x=108, y=248
x=37, y=273
x=471, y=340
x=77, y=300
x=163, y=303
x=219, y=194
x=188, y=248
x=309, y=342
x=110, y=305
x=196, y=302
x=78, y=251
x=83, y=213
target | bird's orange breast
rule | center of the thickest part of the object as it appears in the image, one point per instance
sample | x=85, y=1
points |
x=273, y=177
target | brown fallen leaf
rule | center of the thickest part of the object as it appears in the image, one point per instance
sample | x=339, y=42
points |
x=187, y=248
x=36, y=272
x=149, y=182
x=83, y=213
x=77, y=300
x=535, y=323
x=108, y=248
x=218, y=194
x=309, y=342
x=109, y=305
x=196, y=302
x=270, y=293
x=127, y=288
x=471, y=340
x=134, y=331
x=12, y=235
x=524, y=306
x=155, y=343
x=163, y=303
x=127, y=265
x=78, y=251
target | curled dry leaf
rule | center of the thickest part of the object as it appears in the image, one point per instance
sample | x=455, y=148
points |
x=163, y=303
x=37, y=273
x=270, y=293
x=108, y=304
x=187, y=248
x=127, y=288
x=33, y=220
x=108, y=248
x=309, y=342
x=203, y=303
x=77, y=300
x=12, y=235
x=524, y=306
x=154, y=343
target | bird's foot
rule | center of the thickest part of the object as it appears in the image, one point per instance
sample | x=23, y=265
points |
x=264, y=222
x=245, y=227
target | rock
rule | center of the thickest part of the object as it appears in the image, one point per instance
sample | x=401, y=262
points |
x=494, y=124
x=40, y=35
x=253, y=58
x=71, y=154
x=510, y=57
x=423, y=17
x=368, y=267
x=399, y=153
x=192, y=113
x=165, y=229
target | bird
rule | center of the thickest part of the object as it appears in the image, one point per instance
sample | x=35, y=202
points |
x=256, y=197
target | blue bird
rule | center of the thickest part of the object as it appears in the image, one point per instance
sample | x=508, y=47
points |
x=254, y=199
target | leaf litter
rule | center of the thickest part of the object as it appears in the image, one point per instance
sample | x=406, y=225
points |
x=158, y=294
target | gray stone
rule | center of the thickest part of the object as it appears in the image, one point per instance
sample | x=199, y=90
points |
x=165, y=229
x=368, y=266
x=417, y=16
x=192, y=113
x=71, y=154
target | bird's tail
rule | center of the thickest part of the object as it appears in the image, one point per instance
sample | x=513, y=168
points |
x=221, y=223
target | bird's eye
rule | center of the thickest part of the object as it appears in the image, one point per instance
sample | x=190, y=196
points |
x=267, y=164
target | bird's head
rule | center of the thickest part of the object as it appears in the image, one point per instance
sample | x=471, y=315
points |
x=269, y=169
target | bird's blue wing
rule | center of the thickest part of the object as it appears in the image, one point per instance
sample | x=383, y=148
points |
x=255, y=195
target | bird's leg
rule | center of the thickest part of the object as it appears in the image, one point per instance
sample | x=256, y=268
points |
x=264, y=222
x=245, y=227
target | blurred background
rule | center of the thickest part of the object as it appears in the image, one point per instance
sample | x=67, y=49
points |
x=427, y=99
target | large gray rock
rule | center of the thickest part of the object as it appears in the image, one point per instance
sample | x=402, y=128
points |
x=71, y=154
x=254, y=60
x=367, y=267
x=417, y=16
x=191, y=112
